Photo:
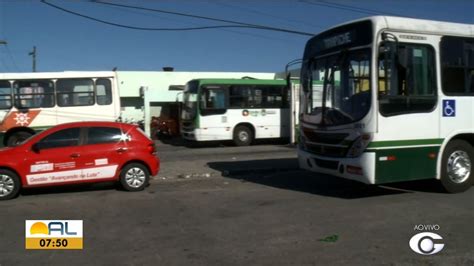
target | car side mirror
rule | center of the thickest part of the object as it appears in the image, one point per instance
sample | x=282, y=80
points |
x=36, y=147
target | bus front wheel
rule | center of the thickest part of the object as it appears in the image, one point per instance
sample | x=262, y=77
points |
x=457, y=166
x=17, y=138
x=243, y=136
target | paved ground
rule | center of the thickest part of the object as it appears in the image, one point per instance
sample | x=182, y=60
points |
x=274, y=215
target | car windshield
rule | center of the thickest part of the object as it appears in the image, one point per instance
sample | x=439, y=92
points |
x=337, y=87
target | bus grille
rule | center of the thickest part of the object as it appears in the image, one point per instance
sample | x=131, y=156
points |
x=327, y=164
x=187, y=126
x=328, y=138
x=326, y=150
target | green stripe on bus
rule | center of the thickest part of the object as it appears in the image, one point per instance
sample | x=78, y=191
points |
x=395, y=165
x=398, y=143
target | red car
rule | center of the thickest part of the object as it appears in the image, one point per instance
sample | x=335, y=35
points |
x=82, y=152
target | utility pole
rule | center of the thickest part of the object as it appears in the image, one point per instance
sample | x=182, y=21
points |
x=33, y=54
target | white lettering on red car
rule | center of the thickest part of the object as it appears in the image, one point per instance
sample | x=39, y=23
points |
x=72, y=175
x=103, y=161
x=41, y=167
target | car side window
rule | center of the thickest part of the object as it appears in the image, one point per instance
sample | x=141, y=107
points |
x=97, y=135
x=62, y=138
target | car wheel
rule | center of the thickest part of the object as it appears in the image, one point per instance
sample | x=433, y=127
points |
x=134, y=177
x=17, y=138
x=243, y=136
x=9, y=184
x=456, y=168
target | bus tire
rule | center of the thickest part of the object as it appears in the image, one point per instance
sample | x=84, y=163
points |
x=457, y=166
x=134, y=177
x=17, y=137
x=243, y=136
x=9, y=184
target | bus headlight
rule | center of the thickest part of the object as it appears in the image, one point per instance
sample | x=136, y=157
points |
x=359, y=145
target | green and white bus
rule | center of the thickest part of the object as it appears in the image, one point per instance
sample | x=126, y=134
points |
x=397, y=102
x=235, y=109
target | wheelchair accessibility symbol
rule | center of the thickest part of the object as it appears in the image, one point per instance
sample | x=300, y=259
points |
x=449, y=108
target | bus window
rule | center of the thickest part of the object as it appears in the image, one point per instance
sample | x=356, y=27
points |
x=409, y=77
x=273, y=97
x=103, y=91
x=213, y=100
x=75, y=92
x=238, y=96
x=457, y=65
x=5, y=94
x=246, y=96
x=33, y=93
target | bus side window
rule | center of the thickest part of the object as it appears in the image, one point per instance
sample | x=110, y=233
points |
x=75, y=92
x=239, y=96
x=407, y=73
x=34, y=93
x=103, y=91
x=457, y=65
x=5, y=94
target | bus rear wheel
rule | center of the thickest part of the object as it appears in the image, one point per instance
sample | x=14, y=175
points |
x=17, y=138
x=243, y=136
x=457, y=168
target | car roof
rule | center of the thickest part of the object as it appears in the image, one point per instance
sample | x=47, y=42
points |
x=123, y=126
x=94, y=124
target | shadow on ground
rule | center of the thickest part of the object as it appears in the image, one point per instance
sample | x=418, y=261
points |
x=178, y=141
x=284, y=174
x=71, y=189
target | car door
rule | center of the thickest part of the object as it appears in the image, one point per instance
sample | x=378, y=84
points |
x=104, y=151
x=55, y=159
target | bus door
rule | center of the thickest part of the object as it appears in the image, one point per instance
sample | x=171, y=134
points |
x=213, y=119
x=408, y=111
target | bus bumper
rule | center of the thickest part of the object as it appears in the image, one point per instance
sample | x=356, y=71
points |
x=213, y=134
x=360, y=169
x=188, y=135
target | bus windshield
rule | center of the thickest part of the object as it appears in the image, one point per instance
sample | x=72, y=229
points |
x=190, y=101
x=337, y=87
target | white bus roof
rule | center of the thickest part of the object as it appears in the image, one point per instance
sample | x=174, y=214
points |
x=52, y=75
x=418, y=25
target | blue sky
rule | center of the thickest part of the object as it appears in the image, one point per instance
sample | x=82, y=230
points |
x=68, y=42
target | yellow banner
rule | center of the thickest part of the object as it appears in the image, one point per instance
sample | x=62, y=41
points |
x=53, y=243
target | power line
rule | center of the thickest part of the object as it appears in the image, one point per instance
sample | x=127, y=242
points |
x=143, y=13
x=139, y=28
x=205, y=18
x=258, y=12
x=239, y=24
x=347, y=7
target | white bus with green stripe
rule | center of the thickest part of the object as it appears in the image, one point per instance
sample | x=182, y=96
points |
x=241, y=110
x=397, y=102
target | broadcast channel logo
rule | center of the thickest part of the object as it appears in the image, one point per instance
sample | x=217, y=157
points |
x=426, y=243
x=53, y=234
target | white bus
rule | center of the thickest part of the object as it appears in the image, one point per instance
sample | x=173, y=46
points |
x=31, y=102
x=397, y=102
x=235, y=109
